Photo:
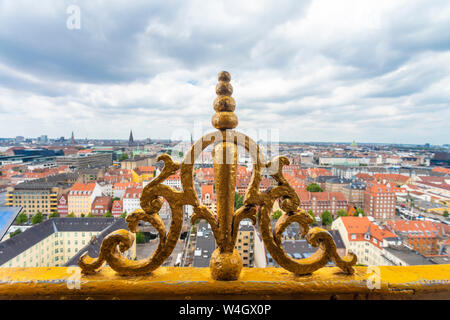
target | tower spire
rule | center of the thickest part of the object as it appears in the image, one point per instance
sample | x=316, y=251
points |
x=130, y=139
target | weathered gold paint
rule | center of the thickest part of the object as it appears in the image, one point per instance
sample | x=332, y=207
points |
x=225, y=163
x=225, y=263
x=414, y=282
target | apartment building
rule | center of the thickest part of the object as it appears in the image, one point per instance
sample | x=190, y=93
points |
x=336, y=184
x=119, y=188
x=421, y=236
x=117, y=208
x=131, y=199
x=63, y=205
x=245, y=243
x=319, y=202
x=35, y=196
x=54, y=242
x=208, y=196
x=379, y=202
x=354, y=193
x=81, y=196
x=88, y=160
x=143, y=173
x=365, y=238
x=174, y=181
x=138, y=161
x=101, y=205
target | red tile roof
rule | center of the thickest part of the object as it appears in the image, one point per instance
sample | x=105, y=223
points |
x=125, y=185
x=375, y=189
x=132, y=193
x=440, y=169
x=321, y=196
x=413, y=228
x=208, y=189
x=103, y=202
x=359, y=226
x=82, y=189
x=391, y=177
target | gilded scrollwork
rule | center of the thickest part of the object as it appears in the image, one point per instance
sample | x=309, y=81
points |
x=225, y=263
x=151, y=202
x=289, y=202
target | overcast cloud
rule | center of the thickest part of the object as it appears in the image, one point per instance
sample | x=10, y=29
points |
x=370, y=71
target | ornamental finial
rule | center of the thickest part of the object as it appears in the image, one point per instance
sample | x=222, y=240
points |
x=224, y=118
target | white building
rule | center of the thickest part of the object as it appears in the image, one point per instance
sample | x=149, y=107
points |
x=365, y=239
x=174, y=181
x=106, y=188
x=131, y=199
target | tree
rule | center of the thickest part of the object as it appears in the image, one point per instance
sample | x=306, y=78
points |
x=140, y=238
x=90, y=215
x=108, y=214
x=123, y=156
x=311, y=213
x=14, y=233
x=358, y=212
x=37, y=218
x=277, y=214
x=314, y=187
x=123, y=215
x=327, y=218
x=342, y=213
x=238, y=201
x=82, y=215
x=54, y=214
x=21, y=218
x=71, y=215
x=116, y=198
x=446, y=214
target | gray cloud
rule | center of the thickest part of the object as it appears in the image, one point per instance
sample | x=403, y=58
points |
x=315, y=70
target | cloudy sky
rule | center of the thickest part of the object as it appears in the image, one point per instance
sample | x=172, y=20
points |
x=370, y=71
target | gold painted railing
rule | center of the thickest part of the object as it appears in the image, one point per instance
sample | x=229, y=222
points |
x=225, y=263
x=389, y=282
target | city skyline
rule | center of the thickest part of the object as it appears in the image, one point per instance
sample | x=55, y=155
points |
x=314, y=71
x=140, y=140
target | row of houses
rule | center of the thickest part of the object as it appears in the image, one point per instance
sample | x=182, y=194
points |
x=395, y=242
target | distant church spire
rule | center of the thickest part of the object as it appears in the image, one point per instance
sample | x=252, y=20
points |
x=72, y=140
x=130, y=139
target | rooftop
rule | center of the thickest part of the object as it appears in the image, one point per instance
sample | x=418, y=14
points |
x=32, y=236
x=411, y=257
x=93, y=247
